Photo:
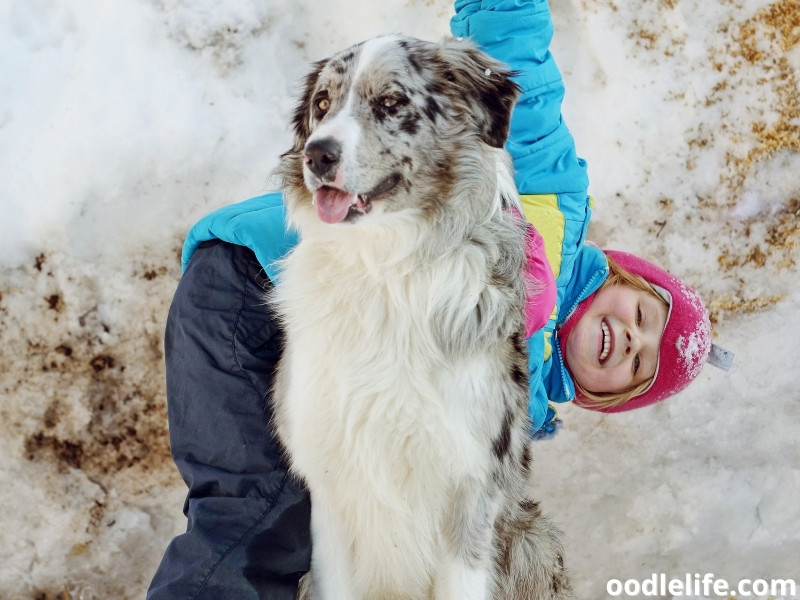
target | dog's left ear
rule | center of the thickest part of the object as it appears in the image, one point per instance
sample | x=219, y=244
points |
x=301, y=118
x=486, y=86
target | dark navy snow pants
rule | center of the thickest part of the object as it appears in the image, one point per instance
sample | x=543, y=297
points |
x=248, y=532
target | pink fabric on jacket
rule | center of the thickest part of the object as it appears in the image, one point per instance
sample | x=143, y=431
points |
x=540, y=285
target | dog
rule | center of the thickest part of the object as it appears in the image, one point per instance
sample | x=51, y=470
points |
x=402, y=392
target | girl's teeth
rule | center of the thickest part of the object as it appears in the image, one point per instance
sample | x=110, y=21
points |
x=606, y=341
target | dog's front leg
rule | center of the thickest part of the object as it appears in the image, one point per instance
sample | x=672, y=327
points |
x=465, y=574
x=331, y=567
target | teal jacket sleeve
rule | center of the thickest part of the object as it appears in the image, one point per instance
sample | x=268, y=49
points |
x=258, y=223
x=518, y=33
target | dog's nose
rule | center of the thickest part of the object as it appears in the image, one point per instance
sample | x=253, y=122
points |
x=323, y=156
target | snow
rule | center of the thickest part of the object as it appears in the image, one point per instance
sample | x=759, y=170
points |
x=122, y=123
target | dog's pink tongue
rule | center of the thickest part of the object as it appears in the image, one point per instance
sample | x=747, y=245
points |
x=332, y=204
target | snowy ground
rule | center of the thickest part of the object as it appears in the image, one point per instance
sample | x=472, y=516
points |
x=123, y=122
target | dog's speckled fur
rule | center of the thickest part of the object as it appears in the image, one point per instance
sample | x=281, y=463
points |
x=402, y=393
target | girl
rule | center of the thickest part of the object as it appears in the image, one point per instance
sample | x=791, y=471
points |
x=623, y=334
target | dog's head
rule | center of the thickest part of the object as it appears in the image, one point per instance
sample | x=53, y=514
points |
x=389, y=124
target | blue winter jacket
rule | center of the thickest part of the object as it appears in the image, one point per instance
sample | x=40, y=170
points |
x=550, y=177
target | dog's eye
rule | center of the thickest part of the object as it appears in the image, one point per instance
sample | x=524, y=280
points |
x=391, y=102
x=323, y=104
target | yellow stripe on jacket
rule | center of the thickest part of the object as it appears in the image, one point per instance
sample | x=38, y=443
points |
x=542, y=212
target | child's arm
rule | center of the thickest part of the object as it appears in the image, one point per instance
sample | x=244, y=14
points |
x=518, y=33
x=550, y=177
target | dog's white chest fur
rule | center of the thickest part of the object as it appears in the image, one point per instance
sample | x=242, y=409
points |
x=380, y=421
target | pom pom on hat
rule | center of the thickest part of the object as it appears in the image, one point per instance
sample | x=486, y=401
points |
x=685, y=343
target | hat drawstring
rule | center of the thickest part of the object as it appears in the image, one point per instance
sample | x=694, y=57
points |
x=720, y=357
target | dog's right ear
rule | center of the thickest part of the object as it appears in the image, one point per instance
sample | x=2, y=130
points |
x=486, y=84
x=301, y=119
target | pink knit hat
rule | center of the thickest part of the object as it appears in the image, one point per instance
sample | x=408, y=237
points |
x=685, y=343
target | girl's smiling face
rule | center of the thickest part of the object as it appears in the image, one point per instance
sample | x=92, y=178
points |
x=615, y=344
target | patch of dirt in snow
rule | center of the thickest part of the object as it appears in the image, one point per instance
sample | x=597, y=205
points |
x=760, y=53
x=83, y=421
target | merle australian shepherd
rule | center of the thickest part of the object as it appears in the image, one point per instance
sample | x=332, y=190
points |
x=402, y=393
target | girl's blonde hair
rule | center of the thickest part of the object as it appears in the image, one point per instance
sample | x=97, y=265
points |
x=599, y=400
